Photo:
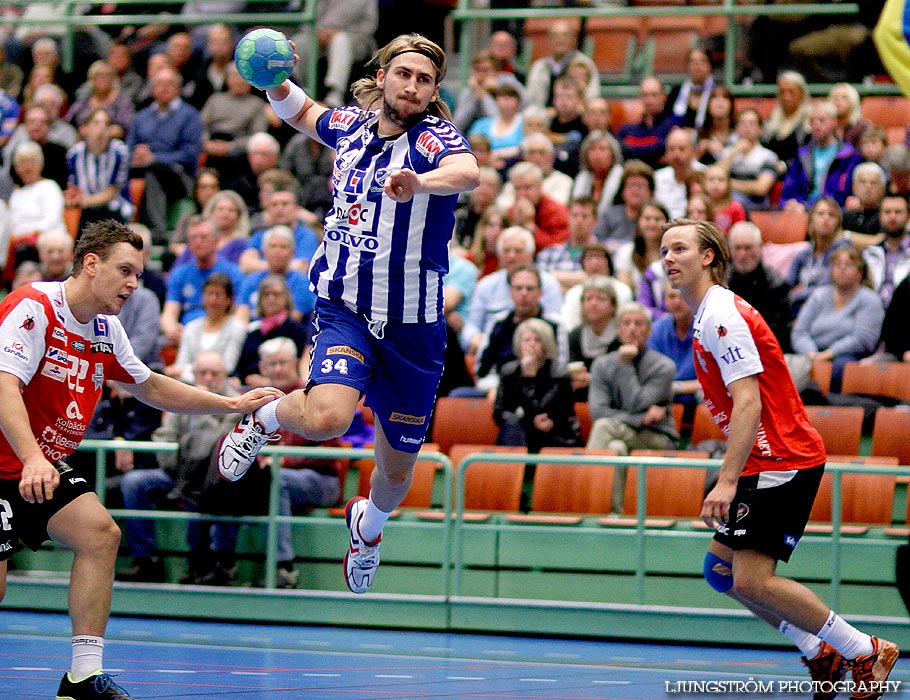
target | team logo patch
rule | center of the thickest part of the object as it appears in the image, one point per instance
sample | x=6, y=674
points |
x=429, y=146
x=28, y=323
x=396, y=417
x=340, y=119
x=100, y=327
x=344, y=350
x=721, y=331
x=742, y=511
x=56, y=355
x=54, y=372
x=16, y=349
x=98, y=376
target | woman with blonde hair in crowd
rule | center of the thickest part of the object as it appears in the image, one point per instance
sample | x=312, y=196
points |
x=232, y=224
x=34, y=206
x=849, y=108
x=787, y=127
x=104, y=93
x=534, y=403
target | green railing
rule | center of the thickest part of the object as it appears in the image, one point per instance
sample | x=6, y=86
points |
x=272, y=519
x=466, y=14
x=305, y=17
x=454, y=525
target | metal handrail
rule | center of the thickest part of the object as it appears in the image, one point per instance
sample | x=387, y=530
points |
x=836, y=469
x=272, y=519
x=452, y=555
x=464, y=13
x=304, y=17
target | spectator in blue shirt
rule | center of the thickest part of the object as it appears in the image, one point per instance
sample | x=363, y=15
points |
x=672, y=336
x=184, y=288
x=281, y=209
x=166, y=140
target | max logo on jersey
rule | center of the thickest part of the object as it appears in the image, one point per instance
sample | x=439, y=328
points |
x=429, y=146
x=341, y=119
x=28, y=323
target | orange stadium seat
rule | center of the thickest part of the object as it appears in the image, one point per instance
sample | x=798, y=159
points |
x=841, y=427
x=573, y=488
x=781, y=226
x=671, y=491
x=886, y=111
x=491, y=485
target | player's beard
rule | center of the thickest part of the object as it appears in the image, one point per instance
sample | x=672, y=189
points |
x=395, y=116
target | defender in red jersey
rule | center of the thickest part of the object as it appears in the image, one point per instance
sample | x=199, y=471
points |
x=771, y=471
x=59, y=342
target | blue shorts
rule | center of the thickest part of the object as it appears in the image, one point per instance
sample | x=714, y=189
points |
x=397, y=366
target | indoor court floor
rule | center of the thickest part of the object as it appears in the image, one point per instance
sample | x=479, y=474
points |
x=163, y=658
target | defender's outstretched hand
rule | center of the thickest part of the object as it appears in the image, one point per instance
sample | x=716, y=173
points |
x=253, y=399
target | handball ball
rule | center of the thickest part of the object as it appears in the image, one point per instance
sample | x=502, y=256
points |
x=264, y=58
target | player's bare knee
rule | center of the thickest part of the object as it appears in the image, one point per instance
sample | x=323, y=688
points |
x=328, y=423
x=749, y=587
x=107, y=535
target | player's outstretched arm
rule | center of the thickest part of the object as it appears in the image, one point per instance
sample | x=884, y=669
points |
x=39, y=477
x=456, y=173
x=176, y=397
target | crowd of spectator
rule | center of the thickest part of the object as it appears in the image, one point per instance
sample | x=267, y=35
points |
x=555, y=292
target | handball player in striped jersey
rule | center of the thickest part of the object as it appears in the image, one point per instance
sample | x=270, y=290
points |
x=380, y=329
x=771, y=470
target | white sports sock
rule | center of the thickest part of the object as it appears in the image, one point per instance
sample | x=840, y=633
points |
x=267, y=415
x=807, y=643
x=844, y=637
x=372, y=521
x=87, y=657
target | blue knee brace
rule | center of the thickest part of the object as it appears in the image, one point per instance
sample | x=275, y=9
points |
x=718, y=573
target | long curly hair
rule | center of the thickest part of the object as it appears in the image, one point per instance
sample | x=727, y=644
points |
x=367, y=92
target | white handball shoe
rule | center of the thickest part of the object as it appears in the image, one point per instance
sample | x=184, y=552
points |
x=238, y=448
x=362, y=559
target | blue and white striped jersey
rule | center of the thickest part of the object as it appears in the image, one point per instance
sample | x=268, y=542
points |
x=94, y=173
x=383, y=258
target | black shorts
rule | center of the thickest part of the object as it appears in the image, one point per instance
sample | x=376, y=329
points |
x=24, y=523
x=769, y=515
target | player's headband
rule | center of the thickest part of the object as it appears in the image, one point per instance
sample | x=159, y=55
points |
x=434, y=59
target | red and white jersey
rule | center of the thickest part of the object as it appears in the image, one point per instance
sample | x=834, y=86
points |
x=733, y=341
x=62, y=364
